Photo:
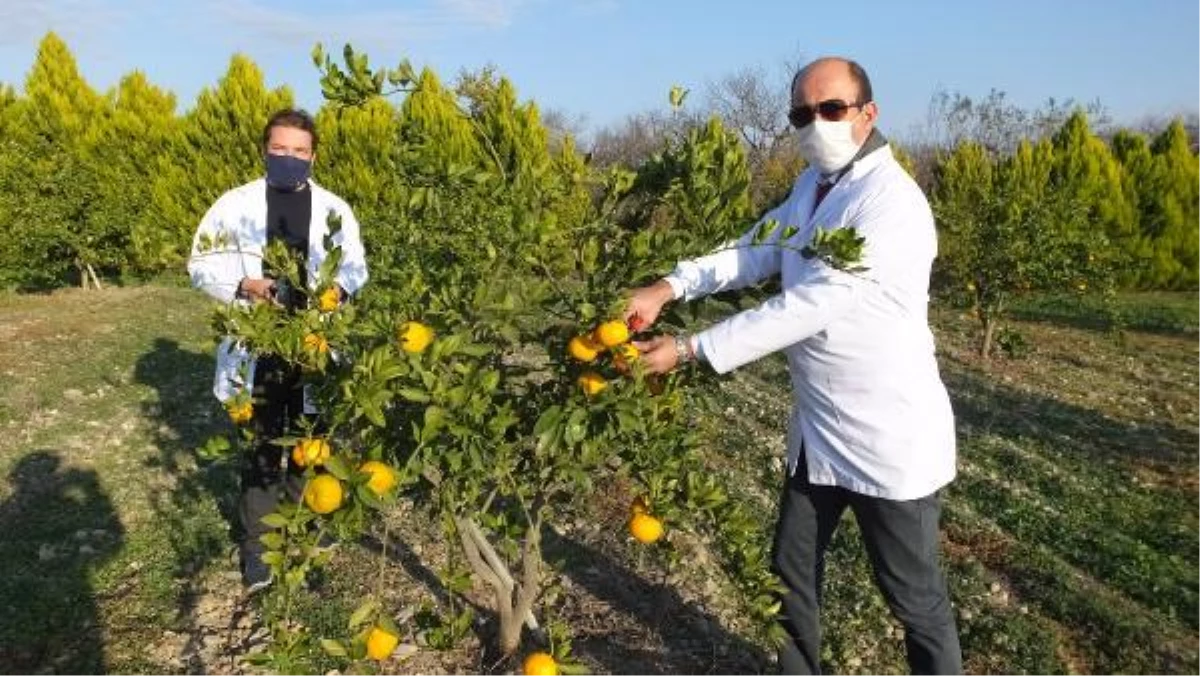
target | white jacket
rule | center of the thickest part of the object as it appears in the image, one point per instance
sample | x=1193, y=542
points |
x=869, y=405
x=237, y=223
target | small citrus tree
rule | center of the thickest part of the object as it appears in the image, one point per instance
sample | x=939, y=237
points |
x=489, y=376
x=1006, y=232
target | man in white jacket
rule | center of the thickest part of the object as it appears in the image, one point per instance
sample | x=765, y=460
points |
x=227, y=263
x=871, y=428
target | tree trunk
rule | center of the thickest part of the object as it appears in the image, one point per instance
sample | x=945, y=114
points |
x=95, y=279
x=514, y=602
x=989, y=328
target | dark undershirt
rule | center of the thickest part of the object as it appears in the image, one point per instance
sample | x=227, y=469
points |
x=288, y=216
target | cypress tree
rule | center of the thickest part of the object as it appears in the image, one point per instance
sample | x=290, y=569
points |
x=433, y=129
x=218, y=147
x=1172, y=223
x=358, y=160
x=140, y=124
x=47, y=183
x=1087, y=173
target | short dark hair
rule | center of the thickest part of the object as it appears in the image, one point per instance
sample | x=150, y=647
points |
x=296, y=118
x=857, y=73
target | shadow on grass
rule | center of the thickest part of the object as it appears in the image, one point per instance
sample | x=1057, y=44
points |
x=1166, y=316
x=984, y=405
x=1059, y=485
x=664, y=633
x=59, y=526
x=683, y=638
x=199, y=513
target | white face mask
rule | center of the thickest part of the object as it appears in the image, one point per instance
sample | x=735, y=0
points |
x=828, y=146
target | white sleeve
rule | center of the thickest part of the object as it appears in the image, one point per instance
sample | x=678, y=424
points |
x=352, y=271
x=796, y=313
x=733, y=265
x=216, y=265
x=897, y=226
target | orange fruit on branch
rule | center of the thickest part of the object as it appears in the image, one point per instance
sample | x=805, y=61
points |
x=312, y=452
x=414, y=337
x=315, y=342
x=591, y=383
x=612, y=333
x=624, y=356
x=240, y=412
x=329, y=299
x=584, y=348
x=323, y=494
x=382, y=480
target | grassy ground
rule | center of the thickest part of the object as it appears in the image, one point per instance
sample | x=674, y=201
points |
x=1071, y=532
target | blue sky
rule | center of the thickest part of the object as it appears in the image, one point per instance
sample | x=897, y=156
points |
x=604, y=59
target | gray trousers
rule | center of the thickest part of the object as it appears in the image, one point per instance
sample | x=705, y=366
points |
x=264, y=482
x=901, y=538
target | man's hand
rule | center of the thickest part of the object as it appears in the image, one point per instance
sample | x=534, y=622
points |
x=257, y=290
x=645, y=303
x=657, y=354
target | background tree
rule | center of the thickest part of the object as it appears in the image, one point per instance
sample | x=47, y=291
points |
x=1174, y=212
x=1086, y=172
x=1006, y=233
x=218, y=147
x=140, y=126
x=47, y=176
x=754, y=105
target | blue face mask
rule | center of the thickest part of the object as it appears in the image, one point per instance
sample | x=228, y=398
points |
x=286, y=172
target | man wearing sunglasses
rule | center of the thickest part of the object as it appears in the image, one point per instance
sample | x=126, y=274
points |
x=871, y=428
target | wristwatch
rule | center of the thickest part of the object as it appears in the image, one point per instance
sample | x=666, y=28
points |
x=683, y=350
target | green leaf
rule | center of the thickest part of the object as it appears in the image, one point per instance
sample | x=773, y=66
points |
x=435, y=418
x=214, y=448
x=368, y=497
x=333, y=648
x=413, y=394
x=275, y=520
x=385, y=621
x=475, y=349
x=272, y=540
x=294, y=578
x=548, y=419
x=337, y=467
x=362, y=614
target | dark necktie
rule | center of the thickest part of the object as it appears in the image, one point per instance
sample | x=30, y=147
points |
x=822, y=190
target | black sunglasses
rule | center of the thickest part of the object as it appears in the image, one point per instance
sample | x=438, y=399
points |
x=832, y=110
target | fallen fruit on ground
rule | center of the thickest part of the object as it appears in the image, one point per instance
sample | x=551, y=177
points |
x=323, y=494
x=414, y=337
x=381, y=643
x=539, y=664
x=645, y=528
x=382, y=480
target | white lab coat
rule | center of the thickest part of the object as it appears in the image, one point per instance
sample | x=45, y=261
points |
x=238, y=221
x=869, y=405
